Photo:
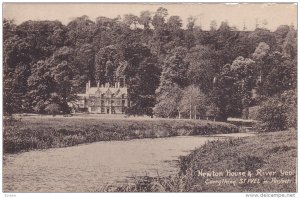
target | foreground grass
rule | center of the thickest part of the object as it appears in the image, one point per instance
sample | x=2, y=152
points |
x=268, y=152
x=41, y=133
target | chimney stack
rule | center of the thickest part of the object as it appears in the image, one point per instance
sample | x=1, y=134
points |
x=87, y=87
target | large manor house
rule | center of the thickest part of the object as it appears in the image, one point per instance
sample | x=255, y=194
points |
x=104, y=99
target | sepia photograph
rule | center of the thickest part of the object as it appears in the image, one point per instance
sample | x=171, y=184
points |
x=149, y=97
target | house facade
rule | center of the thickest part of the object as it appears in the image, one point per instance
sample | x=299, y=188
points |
x=104, y=99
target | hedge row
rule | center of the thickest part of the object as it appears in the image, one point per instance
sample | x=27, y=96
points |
x=44, y=133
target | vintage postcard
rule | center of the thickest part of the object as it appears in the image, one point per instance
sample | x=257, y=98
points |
x=150, y=97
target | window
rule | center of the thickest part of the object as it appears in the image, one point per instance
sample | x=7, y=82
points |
x=81, y=103
x=113, y=111
x=92, y=101
x=98, y=101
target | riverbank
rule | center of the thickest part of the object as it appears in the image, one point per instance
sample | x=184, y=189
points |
x=38, y=132
x=268, y=160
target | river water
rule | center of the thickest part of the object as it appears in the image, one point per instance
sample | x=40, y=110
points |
x=84, y=168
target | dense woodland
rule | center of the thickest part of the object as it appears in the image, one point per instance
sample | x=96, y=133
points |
x=170, y=70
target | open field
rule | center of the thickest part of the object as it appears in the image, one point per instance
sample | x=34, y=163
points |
x=41, y=132
x=271, y=158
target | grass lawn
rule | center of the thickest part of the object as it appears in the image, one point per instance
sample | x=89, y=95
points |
x=41, y=132
x=266, y=156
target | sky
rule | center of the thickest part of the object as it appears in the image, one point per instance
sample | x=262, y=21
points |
x=236, y=15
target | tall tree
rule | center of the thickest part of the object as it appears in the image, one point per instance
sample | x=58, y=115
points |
x=142, y=88
x=280, y=74
x=193, y=103
x=9, y=29
x=243, y=70
x=173, y=78
x=63, y=69
x=260, y=54
x=41, y=85
x=168, y=97
x=280, y=35
x=16, y=62
x=84, y=60
x=80, y=31
x=63, y=80
x=44, y=36
x=189, y=34
x=159, y=18
x=226, y=95
x=107, y=61
x=261, y=35
x=290, y=44
x=173, y=27
x=160, y=35
x=131, y=20
x=142, y=74
x=213, y=25
x=203, y=67
x=145, y=19
x=175, y=67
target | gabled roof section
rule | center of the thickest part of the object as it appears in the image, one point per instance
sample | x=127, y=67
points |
x=108, y=92
x=98, y=92
x=111, y=90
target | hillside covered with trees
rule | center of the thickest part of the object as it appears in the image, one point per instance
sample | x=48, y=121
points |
x=171, y=70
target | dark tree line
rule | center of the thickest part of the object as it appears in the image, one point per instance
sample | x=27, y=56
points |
x=46, y=63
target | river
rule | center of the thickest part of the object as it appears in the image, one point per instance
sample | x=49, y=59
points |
x=85, y=167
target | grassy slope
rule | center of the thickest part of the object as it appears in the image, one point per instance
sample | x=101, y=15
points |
x=269, y=152
x=47, y=132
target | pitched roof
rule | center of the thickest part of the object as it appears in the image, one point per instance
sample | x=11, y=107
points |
x=105, y=90
x=113, y=90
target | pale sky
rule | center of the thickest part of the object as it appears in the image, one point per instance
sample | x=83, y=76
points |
x=235, y=14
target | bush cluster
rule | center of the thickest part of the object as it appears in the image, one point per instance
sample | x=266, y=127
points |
x=278, y=113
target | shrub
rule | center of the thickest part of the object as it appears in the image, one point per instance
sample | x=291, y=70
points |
x=278, y=113
x=253, y=112
x=212, y=110
x=52, y=109
x=272, y=115
x=290, y=100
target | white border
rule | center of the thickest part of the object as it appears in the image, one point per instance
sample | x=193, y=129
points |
x=130, y=195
